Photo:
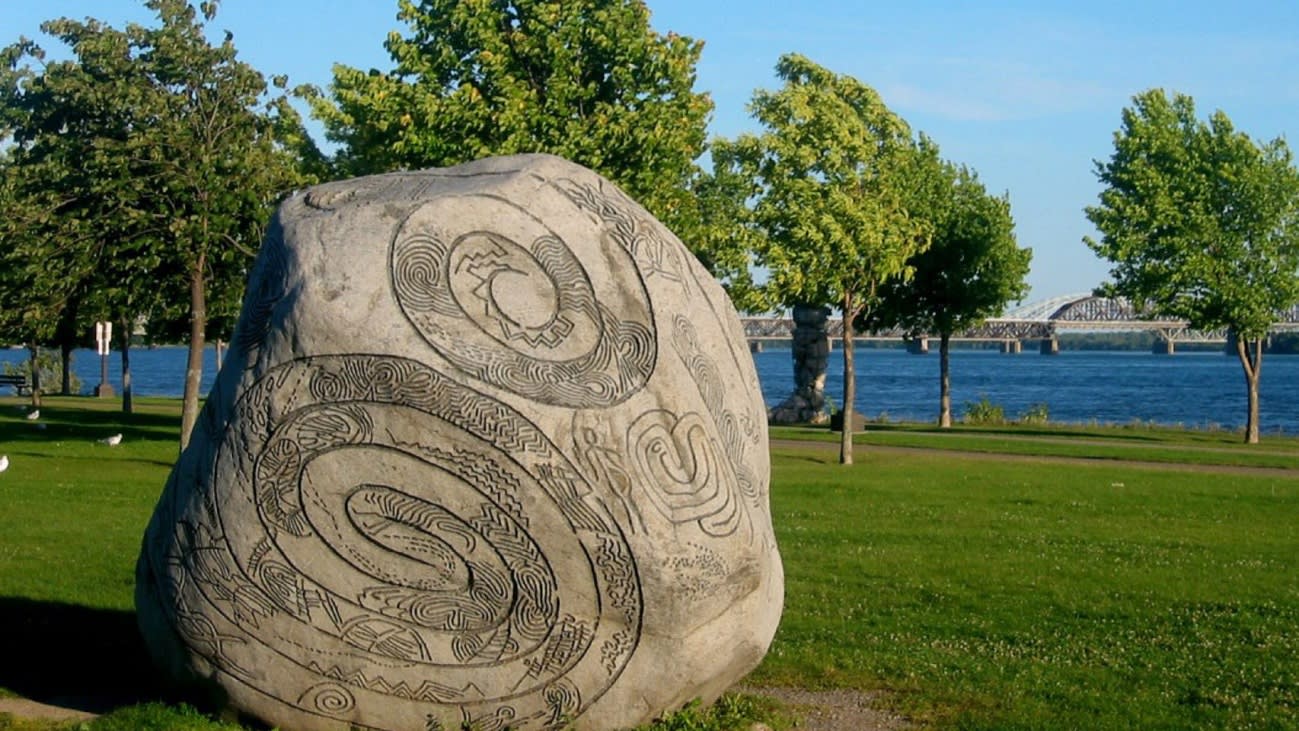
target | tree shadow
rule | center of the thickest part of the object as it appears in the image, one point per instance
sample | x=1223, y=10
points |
x=62, y=423
x=1114, y=433
x=74, y=656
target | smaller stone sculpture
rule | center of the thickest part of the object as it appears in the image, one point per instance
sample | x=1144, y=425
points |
x=811, y=351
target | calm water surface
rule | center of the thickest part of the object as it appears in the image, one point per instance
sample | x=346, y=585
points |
x=154, y=371
x=1190, y=389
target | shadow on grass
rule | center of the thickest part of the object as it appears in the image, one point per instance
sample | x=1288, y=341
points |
x=63, y=423
x=34, y=453
x=802, y=454
x=76, y=657
x=1117, y=433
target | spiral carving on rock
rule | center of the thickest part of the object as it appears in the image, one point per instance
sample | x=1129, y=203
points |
x=683, y=471
x=409, y=526
x=488, y=451
x=502, y=297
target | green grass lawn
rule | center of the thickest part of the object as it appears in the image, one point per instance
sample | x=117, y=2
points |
x=1031, y=595
x=980, y=593
x=1144, y=444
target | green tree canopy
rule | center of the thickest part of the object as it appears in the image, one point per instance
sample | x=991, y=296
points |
x=830, y=174
x=972, y=269
x=726, y=235
x=60, y=207
x=149, y=161
x=1199, y=221
x=588, y=80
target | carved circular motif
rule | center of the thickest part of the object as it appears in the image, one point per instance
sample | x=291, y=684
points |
x=434, y=546
x=502, y=297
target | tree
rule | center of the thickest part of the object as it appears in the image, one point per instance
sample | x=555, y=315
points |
x=182, y=152
x=41, y=267
x=588, y=80
x=211, y=128
x=829, y=172
x=75, y=196
x=1199, y=221
x=971, y=270
x=726, y=235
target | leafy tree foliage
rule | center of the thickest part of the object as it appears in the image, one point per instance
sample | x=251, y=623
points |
x=44, y=264
x=971, y=270
x=830, y=174
x=726, y=233
x=1200, y=223
x=142, y=172
x=588, y=80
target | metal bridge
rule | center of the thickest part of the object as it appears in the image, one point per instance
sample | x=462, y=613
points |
x=1041, y=320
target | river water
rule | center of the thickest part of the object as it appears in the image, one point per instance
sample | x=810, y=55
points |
x=1197, y=390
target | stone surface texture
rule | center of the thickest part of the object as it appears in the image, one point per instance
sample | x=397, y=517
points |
x=488, y=448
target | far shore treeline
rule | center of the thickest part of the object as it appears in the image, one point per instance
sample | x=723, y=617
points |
x=1128, y=341
x=139, y=167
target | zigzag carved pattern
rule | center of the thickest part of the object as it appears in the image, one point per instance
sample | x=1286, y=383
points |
x=428, y=691
x=484, y=475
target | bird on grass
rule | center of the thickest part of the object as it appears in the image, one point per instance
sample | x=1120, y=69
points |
x=4, y=462
x=112, y=441
x=33, y=416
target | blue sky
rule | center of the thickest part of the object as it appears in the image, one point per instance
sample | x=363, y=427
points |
x=1026, y=93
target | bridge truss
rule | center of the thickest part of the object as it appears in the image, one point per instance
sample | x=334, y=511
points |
x=1042, y=320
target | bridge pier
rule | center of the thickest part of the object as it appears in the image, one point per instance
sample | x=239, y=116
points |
x=1050, y=346
x=1163, y=346
x=1011, y=346
x=755, y=346
x=918, y=345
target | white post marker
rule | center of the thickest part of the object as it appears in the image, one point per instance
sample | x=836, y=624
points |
x=104, y=341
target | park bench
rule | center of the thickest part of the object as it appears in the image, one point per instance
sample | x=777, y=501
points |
x=16, y=381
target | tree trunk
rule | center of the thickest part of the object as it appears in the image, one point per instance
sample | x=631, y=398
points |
x=35, y=351
x=944, y=382
x=127, y=406
x=849, y=382
x=1250, y=352
x=65, y=352
x=194, y=364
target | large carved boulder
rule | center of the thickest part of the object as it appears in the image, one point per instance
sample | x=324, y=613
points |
x=488, y=448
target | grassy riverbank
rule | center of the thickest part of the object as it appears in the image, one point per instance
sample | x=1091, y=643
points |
x=1135, y=443
x=1032, y=594
x=1026, y=577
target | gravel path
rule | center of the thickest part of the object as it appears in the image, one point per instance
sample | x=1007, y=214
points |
x=24, y=708
x=833, y=710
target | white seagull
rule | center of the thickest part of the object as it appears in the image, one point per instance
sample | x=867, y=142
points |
x=112, y=441
x=4, y=462
x=33, y=416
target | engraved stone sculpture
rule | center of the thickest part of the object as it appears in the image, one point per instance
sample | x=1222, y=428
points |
x=811, y=351
x=488, y=449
